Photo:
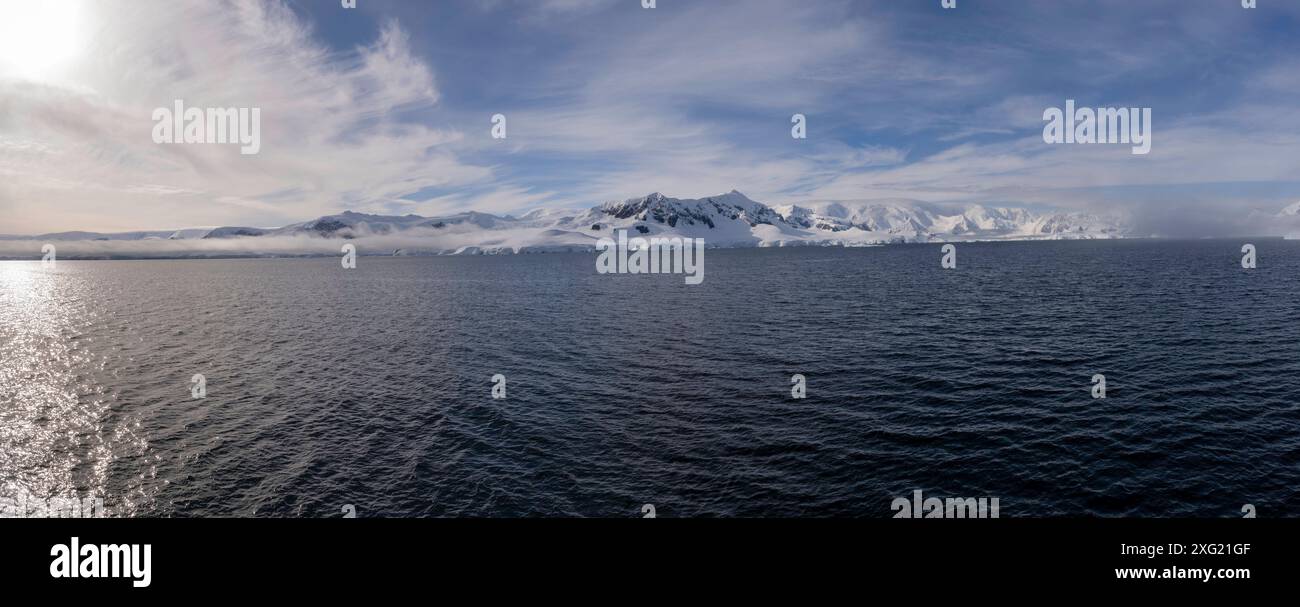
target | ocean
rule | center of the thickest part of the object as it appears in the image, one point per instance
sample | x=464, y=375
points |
x=330, y=391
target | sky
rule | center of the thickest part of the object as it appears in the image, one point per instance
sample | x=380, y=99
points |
x=387, y=108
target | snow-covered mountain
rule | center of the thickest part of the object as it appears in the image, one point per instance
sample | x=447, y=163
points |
x=909, y=221
x=733, y=219
x=727, y=220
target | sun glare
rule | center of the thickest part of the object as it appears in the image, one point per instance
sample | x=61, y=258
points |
x=39, y=37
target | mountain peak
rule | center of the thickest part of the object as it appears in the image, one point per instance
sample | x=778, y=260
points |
x=735, y=196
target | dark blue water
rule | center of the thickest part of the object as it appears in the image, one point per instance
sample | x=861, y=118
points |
x=372, y=387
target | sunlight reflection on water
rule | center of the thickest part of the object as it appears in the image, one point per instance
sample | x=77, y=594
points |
x=53, y=441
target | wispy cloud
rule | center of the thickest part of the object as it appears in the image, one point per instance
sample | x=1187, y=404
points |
x=332, y=122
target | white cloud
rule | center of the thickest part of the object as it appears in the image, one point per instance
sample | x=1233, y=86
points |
x=78, y=153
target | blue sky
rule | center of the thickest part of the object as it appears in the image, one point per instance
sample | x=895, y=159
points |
x=386, y=108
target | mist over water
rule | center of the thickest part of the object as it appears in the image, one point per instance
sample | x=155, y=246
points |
x=371, y=387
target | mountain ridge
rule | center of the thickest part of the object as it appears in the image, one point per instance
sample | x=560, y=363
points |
x=726, y=220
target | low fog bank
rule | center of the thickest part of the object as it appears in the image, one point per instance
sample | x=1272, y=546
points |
x=1212, y=220
x=414, y=242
